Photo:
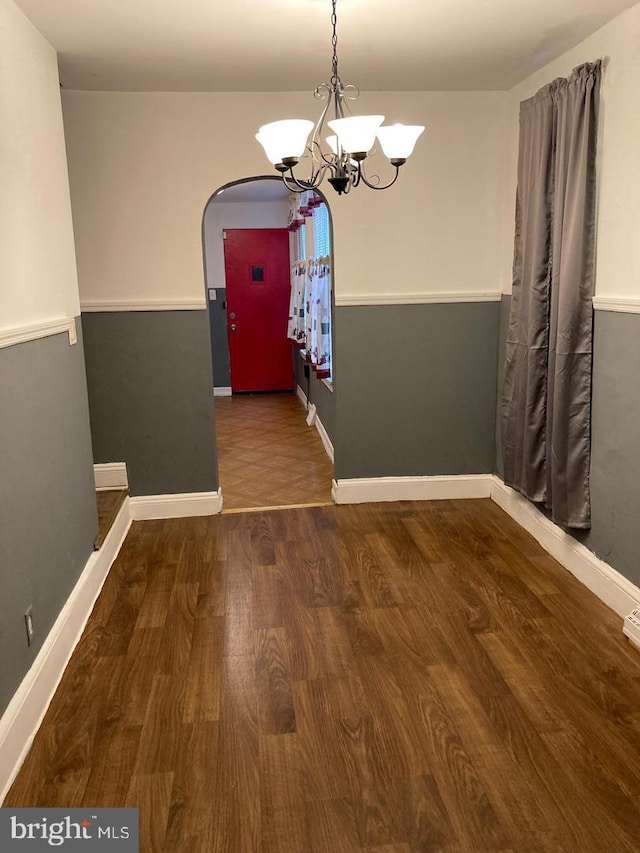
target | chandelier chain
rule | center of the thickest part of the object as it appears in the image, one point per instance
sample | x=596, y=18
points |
x=335, y=79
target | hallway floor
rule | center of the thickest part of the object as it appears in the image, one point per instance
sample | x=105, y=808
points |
x=396, y=678
x=267, y=455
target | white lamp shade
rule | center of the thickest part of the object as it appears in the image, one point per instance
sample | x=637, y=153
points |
x=356, y=133
x=332, y=142
x=287, y=138
x=399, y=140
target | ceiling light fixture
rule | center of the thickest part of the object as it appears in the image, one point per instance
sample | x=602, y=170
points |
x=286, y=142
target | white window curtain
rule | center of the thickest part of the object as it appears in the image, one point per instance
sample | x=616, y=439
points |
x=318, y=321
x=297, y=330
x=310, y=306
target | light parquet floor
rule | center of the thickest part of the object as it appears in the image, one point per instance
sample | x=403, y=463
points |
x=386, y=677
x=267, y=455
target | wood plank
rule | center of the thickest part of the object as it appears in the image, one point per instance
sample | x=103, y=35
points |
x=276, y=713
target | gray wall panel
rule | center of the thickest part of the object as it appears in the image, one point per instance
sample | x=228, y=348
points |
x=48, y=517
x=505, y=307
x=219, y=338
x=151, y=398
x=416, y=389
x=615, y=444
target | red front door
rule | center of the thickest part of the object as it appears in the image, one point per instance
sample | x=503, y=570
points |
x=256, y=262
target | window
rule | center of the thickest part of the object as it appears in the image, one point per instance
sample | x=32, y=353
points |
x=321, y=232
x=299, y=246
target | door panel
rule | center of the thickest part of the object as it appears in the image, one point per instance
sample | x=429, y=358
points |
x=258, y=287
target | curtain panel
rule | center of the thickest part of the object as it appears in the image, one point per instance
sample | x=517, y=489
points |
x=310, y=312
x=546, y=395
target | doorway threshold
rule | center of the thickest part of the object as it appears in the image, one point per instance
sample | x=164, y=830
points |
x=275, y=508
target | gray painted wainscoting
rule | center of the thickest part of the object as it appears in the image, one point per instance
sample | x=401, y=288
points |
x=505, y=307
x=219, y=338
x=615, y=440
x=151, y=398
x=615, y=443
x=417, y=389
x=319, y=394
x=48, y=518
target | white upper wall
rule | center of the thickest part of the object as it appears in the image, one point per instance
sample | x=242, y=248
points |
x=618, y=163
x=142, y=166
x=220, y=215
x=38, y=280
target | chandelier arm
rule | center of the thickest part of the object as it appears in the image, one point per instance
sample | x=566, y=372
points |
x=317, y=130
x=362, y=177
x=299, y=186
x=328, y=160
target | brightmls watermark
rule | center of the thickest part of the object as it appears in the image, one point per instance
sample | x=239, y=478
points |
x=35, y=830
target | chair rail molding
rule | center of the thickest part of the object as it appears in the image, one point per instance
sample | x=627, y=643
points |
x=622, y=304
x=97, y=306
x=24, y=334
x=416, y=298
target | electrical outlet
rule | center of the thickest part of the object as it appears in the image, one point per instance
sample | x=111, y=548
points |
x=28, y=623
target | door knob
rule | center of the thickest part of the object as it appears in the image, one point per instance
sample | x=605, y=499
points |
x=233, y=327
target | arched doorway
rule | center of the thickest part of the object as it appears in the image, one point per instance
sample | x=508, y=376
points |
x=269, y=453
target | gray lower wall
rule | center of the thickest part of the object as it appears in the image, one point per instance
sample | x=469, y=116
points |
x=151, y=398
x=219, y=338
x=505, y=306
x=318, y=393
x=615, y=441
x=416, y=389
x=48, y=515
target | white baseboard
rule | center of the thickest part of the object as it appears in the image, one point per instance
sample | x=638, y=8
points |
x=222, y=391
x=110, y=475
x=25, y=712
x=375, y=489
x=176, y=506
x=603, y=580
x=328, y=446
x=326, y=441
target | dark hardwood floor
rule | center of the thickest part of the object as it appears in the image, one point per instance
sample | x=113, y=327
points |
x=388, y=677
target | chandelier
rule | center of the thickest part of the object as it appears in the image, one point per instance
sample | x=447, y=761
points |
x=286, y=142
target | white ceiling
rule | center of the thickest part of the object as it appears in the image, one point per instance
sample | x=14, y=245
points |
x=253, y=191
x=284, y=45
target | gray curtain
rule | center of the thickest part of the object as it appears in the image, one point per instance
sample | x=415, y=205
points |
x=546, y=395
